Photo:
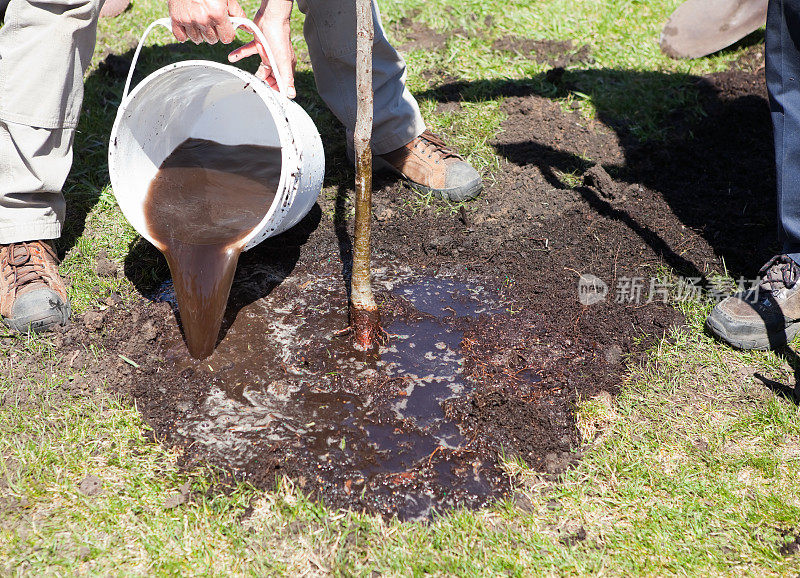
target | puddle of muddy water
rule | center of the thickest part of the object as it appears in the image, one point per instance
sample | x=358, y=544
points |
x=279, y=384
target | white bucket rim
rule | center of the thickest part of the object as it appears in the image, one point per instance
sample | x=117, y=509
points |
x=269, y=97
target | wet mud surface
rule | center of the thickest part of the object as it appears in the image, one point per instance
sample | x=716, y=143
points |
x=374, y=429
x=490, y=347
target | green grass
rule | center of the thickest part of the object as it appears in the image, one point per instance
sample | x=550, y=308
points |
x=692, y=470
x=629, y=81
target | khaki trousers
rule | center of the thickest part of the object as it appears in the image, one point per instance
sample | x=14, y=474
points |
x=46, y=46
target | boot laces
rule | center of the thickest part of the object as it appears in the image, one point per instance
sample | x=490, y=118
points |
x=432, y=144
x=23, y=268
x=779, y=272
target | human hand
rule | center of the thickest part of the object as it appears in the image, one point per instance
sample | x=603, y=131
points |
x=273, y=19
x=204, y=20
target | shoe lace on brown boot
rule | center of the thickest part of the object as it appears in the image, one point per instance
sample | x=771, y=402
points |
x=432, y=167
x=779, y=272
x=24, y=267
x=433, y=147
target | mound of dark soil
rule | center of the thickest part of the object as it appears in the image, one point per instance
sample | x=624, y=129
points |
x=564, y=248
x=418, y=36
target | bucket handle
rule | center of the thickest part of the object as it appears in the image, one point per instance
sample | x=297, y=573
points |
x=237, y=22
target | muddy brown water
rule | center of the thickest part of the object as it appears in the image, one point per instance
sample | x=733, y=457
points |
x=399, y=445
x=204, y=200
x=276, y=392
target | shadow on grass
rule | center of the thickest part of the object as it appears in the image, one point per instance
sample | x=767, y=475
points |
x=787, y=392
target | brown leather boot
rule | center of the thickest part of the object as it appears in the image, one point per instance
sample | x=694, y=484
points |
x=32, y=294
x=430, y=166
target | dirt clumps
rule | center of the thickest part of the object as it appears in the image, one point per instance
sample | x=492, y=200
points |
x=554, y=53
x=417, y=36
x=597, y=178
x=93, y=320
x=91, y=486
x=179, y=498
x=105, y=267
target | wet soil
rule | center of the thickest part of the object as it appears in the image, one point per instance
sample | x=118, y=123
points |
x=490, y=345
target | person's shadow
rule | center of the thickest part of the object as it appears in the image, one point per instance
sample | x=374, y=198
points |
x=787, y=392
x=712, y=161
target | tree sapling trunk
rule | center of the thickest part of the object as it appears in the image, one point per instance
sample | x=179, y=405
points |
x=364, y=316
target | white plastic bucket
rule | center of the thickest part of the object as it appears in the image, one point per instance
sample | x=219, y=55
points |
x=208, y=100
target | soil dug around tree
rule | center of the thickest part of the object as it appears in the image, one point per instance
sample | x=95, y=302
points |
x=490, y=347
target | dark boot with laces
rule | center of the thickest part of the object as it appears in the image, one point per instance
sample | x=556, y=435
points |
x=766, y=316
x=32, y=294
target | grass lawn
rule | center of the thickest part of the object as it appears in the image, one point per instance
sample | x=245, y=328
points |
x=692, y=469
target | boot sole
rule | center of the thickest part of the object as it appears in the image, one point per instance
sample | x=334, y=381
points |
x=762, y=341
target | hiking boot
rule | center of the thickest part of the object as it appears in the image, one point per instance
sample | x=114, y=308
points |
x=431, y=167
x=32, y=294
x=766, y=316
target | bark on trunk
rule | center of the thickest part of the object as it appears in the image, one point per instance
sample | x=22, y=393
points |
x=364, y=317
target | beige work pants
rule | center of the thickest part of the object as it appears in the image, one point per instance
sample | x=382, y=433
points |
x=45, y=47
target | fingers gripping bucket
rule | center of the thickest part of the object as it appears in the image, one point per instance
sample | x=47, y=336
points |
x=208, y=100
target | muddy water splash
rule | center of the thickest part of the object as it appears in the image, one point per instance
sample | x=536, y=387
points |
x=203, y=201
x=376, y=432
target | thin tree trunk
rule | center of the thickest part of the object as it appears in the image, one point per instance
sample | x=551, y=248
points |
x=364, y=316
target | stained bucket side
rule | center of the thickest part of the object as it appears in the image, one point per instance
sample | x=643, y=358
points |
x=304, y=183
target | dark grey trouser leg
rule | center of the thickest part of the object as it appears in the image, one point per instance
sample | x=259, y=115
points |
x=783, y=86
